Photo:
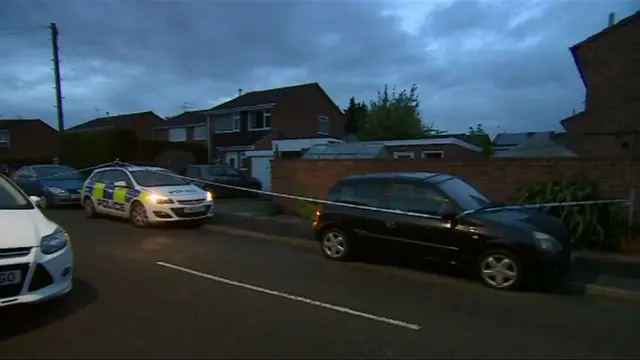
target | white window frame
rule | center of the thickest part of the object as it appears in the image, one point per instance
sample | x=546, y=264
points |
x=204, y=128
x=5, y=138
x=425, y=152
x=323, y=120
x=183, y=136
x=265, y=114
x=403, y=154
x=236, y=124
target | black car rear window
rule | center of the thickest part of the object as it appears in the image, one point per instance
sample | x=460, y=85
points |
x=357, y=193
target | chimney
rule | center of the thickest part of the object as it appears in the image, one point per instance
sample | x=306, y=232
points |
x=239, y=92
x=612, y=18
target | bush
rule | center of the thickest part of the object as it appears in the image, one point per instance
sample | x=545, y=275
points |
x=590, y=226
x=150, y=149
x=88, y=148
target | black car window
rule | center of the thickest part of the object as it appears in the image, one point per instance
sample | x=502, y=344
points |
x=11, y=198
x=358, y=193
x=468, y=197
x=193, y=172
x=416, y=198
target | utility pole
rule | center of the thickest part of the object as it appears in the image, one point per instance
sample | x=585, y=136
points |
x=56, y=73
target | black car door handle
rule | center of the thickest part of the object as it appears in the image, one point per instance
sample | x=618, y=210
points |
x=390, y=224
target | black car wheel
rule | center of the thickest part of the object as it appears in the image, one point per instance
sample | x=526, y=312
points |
x=500, y=269
x=336, y=245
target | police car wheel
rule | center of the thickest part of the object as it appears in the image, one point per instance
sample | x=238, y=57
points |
x=89, y=208
x=138, y=215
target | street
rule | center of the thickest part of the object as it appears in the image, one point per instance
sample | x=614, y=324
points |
x=181, y=293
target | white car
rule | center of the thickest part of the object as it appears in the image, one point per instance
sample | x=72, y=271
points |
x=146, y=195
x=36, y=259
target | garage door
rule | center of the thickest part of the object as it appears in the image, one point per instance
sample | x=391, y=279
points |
x=261, y=170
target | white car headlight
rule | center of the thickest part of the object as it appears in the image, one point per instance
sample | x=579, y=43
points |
x=54, y=242
x=547, y=242
x=209, y=196
x=56, y=190
x=159, y=199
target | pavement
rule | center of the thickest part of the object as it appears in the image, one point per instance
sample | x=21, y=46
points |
x=179, y=293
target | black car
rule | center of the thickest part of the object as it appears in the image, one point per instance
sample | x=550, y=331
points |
x=205, y=175
x=454, y=224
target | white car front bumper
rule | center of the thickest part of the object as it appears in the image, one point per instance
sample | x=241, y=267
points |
x=177, y=212
x=42, y=277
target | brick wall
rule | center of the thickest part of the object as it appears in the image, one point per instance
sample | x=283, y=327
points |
x=500, y=179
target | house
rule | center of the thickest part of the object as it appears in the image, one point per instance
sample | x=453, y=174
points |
x=141, y=123
x=27, y=138
x=608, y=64
x=190, y=126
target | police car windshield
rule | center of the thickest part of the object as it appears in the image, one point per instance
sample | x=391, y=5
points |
x=57, y=172
x=152, y=178
x=11, y=198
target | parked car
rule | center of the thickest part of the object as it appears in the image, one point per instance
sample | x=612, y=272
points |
x=503, y=248
x=204, y=175
x=36, y=260
x=54, y=184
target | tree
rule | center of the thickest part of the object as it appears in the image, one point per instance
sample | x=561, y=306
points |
x=395, y=115
x=355, y=113
x=479, y=137
x=478, y=130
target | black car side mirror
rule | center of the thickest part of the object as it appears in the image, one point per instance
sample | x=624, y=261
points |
x=449, y=212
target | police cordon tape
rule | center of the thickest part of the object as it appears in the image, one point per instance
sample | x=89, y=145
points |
x=391, y=211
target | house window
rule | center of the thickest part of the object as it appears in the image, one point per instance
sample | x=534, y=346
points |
x=200, y=133
x=432, y=154
x=323, y=125
x=5, y=138
x=260, y=120
x=178, y=134
x=403, y=155
x=227, y=123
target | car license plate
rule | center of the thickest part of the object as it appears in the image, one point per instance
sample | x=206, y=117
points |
x=194, y=209
x=10, y=277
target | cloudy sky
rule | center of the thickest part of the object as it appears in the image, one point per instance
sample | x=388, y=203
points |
x=503, y=63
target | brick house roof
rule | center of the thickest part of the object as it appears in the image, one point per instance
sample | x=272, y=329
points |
x=599, y=36
x=113, y=120
x=269, y=96
x=6, y=124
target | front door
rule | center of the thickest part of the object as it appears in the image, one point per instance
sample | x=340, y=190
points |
x=231, y=158
x=427, y=237
x=261, y=170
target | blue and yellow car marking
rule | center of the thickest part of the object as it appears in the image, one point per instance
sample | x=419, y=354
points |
x=110, y=197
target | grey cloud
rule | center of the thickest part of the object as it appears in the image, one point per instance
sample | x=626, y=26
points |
x=121, y=56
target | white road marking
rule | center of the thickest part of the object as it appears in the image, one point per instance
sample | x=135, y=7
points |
x=293, y=297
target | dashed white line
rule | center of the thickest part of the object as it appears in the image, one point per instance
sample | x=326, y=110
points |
x=292, y=297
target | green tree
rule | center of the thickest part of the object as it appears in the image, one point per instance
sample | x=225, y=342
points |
x=479, y=137
x=478, y=130
x=355, y=113
x=395, y=115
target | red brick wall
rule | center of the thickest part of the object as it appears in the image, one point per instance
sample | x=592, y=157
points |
x=500, y=179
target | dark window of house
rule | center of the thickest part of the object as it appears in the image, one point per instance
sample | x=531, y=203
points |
x=416, y=198
x=367, y=193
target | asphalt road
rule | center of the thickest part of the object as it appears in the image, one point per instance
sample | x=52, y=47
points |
x=217, y=296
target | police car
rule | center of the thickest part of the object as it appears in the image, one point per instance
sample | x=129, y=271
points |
x=145, y=195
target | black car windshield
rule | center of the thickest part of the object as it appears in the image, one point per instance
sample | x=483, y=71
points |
x=11, y=198
x=468, y=197
x=151, y=178
x=222, y=171
x=57, y=172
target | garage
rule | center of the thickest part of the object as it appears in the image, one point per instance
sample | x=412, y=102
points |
x=261, y=170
